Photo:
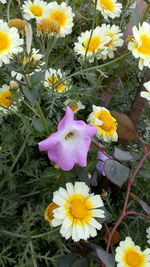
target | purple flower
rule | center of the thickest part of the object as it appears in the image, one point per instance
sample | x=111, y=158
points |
x=70, y=144
x=100, y=165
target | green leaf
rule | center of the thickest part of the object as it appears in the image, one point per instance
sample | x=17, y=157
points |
x=67, y=260
x=31, y=94
x=143, y=204
x=116, y=172
x=38, y=125
x=107, y=258
x=80, y=263
x=122, y=155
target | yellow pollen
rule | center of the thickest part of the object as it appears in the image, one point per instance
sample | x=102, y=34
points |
x=110, y=42
x=133, y=258
x=48, y=26
x=144, y=47
x=107, y=4
x=69, y=135
x=4, y=42
x=49, y=212
x=74, y=108
x=58, y=16
x=36, y=10
x=5, y=100
x=109, y=123
x=78, y=209
x=52, y=80
x=94, y=44
x=17, y=23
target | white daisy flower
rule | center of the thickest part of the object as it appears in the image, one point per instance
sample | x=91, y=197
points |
x=61, y=15
x=97, y=46
x=114, y=33
x=146, y=94
x=74, y=105
x=33, y=9
x=8, y=99
x=105, y=123
x=52, y=77
x=10, y=43
x=140, y=45
x=109, y=8
x=130, y=255
x=77, y=211
x=148, y=235
x=3, y=1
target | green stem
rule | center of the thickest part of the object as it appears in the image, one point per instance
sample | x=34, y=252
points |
x=18, y=156
x=8, y=10
x=42, y=118
x=145, y=14
x=32, y=255
x=94, y=68
x=33, y=110
x=27, y=80
x=93, y=25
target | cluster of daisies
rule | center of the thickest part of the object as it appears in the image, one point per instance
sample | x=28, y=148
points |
x=79, y=215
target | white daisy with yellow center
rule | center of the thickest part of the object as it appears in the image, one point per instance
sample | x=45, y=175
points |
x=146, y=94
x=96, y=48
x=10, y=43
x=5, y=96
x=74, y=105
x=105, y=123
x=148, y=235
x=140, y=45
x=61, y=15
x=130, y=255
x=114, y=33
x=52, y=78
x=33, y=9
x=109, y=8
x=77, y=211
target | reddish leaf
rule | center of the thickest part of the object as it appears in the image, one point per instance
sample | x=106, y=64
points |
x=125, y=129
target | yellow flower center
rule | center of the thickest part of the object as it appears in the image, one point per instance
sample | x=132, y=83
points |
x=36, y=10
x=74, y=108
x=109, y=123
x=79, y=209
x=93, y=45
x=4, y=42
x=5, y=100
x=49, y=26
x=17, y=23
x=69, y=135
x=111, y=40
x=144, y=47
x=49, y=212
x=134, y=258
x=107, y=4
x=52, y=80
x=58, y=16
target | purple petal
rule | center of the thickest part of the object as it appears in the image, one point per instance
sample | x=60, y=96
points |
x=49, y=142
x=66, y=120
x=102, y=156
x=86, y=129
x=100, y=167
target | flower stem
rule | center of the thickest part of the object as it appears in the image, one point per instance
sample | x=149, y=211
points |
x=124, y=212
x=93, y=25
x=8, y=10
x=95, y=67
x=42, y=118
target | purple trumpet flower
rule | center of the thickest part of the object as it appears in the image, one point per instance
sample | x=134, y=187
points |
x=100, y=165
x=70, y=144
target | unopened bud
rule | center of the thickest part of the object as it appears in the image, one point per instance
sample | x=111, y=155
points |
x=14, y=85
